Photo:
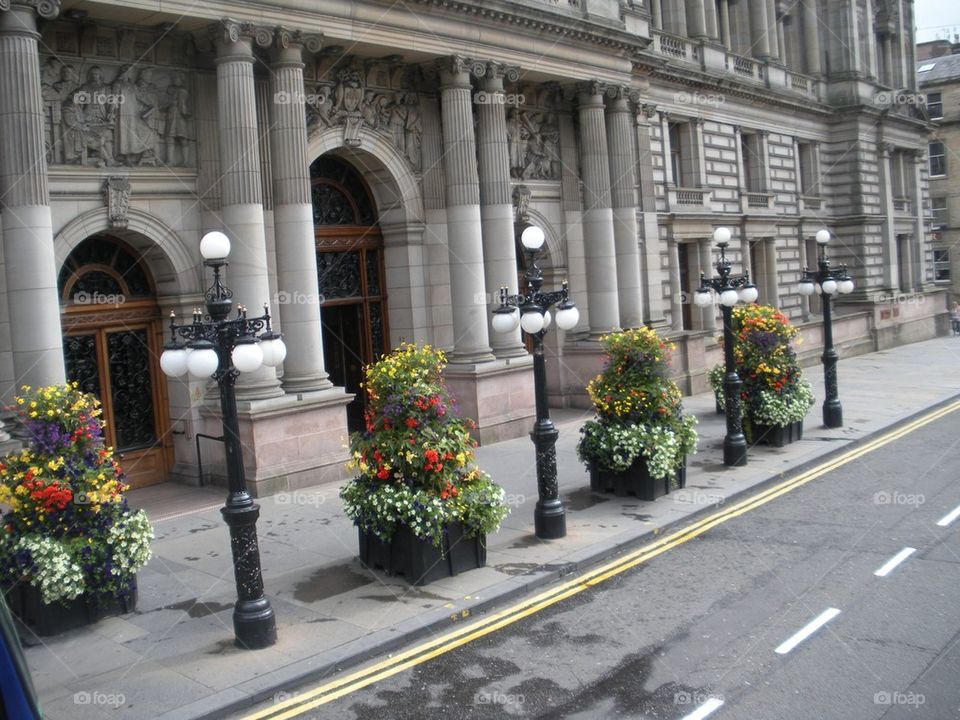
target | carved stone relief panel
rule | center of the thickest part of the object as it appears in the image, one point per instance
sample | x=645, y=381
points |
x=374, y=95
x=533, y=133
x=101, y=111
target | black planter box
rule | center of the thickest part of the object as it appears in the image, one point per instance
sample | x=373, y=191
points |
x=418, y=560
x=636, y=481
x=775, y=435
x=34, y=617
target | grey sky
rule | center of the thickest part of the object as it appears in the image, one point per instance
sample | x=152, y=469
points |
x=937, y=19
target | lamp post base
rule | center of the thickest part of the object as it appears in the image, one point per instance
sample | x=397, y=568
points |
x=254, y=624
x=832, y=414
x=550, y=520
x=735, y=450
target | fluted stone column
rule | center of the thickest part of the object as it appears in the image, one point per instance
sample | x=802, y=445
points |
x=598, y=233
x=725, y=30
x=652, y=271
x=759, y=29
x=30, y=265
x=623, y=196
x=496, y=205
x=709, y=315
x=676, y=291
x=811, y=37
x=303, y=369
x=241, y=189
x=471, y=343
x=773, y=33
x=696, y=19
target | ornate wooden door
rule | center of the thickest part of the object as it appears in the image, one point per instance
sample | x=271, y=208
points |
x=112, y=342
x=351, y=277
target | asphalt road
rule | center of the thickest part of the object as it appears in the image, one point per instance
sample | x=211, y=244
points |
x=713, y=620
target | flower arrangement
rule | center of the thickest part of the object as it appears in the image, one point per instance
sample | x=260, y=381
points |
x=774, y=392
x=638, y=408
x=414, y=462
x=67, y=528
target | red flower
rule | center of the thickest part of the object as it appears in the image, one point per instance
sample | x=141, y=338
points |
x=431, y=456
x=383, y=473
x=411, y=422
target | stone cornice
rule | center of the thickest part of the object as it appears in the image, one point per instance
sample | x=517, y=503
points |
x=574, y=28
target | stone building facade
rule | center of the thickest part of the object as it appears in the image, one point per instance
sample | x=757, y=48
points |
x=938, y=74
x=370, y=162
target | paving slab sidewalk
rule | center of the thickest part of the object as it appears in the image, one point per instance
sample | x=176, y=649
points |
x=174, y=657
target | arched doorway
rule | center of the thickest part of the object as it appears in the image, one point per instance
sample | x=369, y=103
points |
x=111, y=345
x=351, y=277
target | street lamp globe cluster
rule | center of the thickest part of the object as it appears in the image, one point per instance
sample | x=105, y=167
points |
x=730, y=289
x=222, y=347
x=826, y=282
x=531, y=311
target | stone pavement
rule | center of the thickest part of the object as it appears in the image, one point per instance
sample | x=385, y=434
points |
x=174, y=657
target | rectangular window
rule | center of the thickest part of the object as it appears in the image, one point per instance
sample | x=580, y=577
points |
x=754, y=163
x=683, y=155
x=938, y=159
x=938, y=208
x=941, y=265
x=935, y=105
x=808, y=182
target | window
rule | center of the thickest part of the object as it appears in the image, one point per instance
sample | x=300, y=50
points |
x=935, y=105
x=751, y=149
x=683, y=155
x=941, y=265
x=808, y=183
x=938, y=159
x=938, y=208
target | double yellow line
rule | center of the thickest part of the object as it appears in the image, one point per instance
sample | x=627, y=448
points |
x=303, y=702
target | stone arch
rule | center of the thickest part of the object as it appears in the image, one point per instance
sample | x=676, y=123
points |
x=553, y=255
x=395, y=188
x=176, y=270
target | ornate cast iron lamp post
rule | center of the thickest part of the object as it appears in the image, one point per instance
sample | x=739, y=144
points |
x=826, y=281
x=223, y=348
x=731, y=290
x=532, y=311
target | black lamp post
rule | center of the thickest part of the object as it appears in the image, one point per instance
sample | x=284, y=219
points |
x=731, y=290
x=826, y=281
x=549, y=517
x=224, y=348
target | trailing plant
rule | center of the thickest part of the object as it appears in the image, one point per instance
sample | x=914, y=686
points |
x=773, y=391
x=414, y=461
x=67, y=529
x=639, y=413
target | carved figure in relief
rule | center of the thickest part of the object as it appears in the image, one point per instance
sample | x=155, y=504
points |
x=96, y=118
x=398, y=122
x=178, y=127
x=320, y=112
x=136, y=138
x=413, y=130
x=50, y=78
x=516, y=138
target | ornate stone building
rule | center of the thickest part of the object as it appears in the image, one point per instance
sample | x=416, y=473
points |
x=369, y=161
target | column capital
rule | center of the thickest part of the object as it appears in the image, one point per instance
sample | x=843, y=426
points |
x=47, y=9
x=500, y=71
x=592, y=88
x=919, y=155
x=228, y=33
x=621, y=96
x=452, y=66
x=288, y=46
x=885, y=149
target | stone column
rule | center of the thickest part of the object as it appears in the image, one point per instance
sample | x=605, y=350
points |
x=303, y=369
x=652, y=272
x=30, y=267
x=811, y=38
x=464, y=237
x=623, y=194
x=656, y=15
x=677, y=293
x=772, y=30
x=710, y=14
x=696, y=18
x=709, y=315
x=598, y=233
x=891, y=269
x=496, y=204
x=772, y=285
x=725, y=37
x=916, y=199
x=759, y=29
x=241, y=188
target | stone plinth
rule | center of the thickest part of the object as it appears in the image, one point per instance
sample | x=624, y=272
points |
x=290, y=442
x=498, y=395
